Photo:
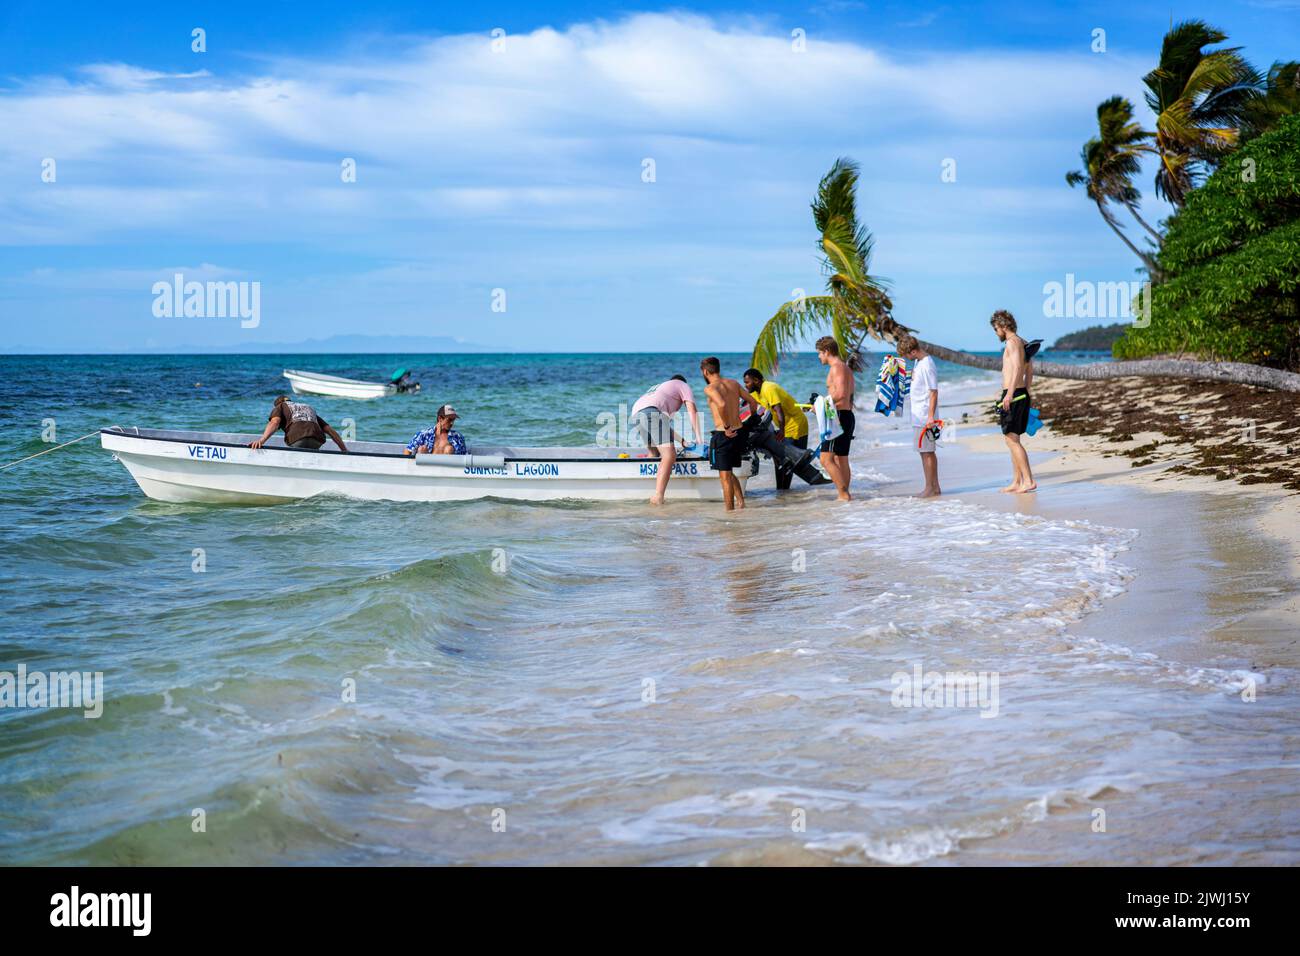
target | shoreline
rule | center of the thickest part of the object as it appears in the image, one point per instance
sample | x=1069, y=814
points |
x=1105, y=444
x=1211, y=611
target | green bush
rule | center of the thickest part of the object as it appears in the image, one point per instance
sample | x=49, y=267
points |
x=1231, y=263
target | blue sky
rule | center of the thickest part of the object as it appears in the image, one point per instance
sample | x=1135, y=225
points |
x=521, y=168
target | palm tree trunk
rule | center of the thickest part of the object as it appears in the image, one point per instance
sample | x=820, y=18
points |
x=1155, y=235
x=1110, y=221
x=1237, y=372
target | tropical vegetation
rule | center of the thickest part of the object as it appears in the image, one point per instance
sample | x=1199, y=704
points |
x=1224, y=267
x=1231, y=262
x=1199, y=98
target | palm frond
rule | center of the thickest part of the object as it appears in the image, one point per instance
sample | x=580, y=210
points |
x=835, y=194
x=1202, y=100
x=841, y=254
x=857, y=303
x=1280, y=97
x=792, y=325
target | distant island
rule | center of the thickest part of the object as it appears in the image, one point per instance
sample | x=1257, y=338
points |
x=1095, y=338
x=353, y=344
x=334, y=344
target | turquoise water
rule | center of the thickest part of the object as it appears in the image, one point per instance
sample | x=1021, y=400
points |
x=350, y=682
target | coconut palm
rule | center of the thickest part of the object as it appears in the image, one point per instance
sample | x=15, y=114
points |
x=855, y=304
x=1199, y=99
x=1280, y=97
x=1110, y=161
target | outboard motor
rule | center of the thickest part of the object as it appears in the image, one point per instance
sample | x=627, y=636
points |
x=402, y=379
x=761, y=436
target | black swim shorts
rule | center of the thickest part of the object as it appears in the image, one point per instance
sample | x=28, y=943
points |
x=1016, y=421
x=725, y=453
x=840, y=445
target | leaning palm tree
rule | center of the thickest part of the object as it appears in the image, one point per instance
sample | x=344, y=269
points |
x=855, y=304
x=1199, y=99
x=1110, y=161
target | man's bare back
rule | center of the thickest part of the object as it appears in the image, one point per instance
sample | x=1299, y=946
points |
x=725, y=453
x=724, y=397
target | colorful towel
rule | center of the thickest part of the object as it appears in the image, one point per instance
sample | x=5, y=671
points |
x=828, y=419
x=892, y=385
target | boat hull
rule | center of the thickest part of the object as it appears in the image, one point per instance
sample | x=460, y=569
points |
x=210, y=468
x=309, y=383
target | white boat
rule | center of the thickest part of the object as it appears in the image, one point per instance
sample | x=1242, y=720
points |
x=220, y=468
x=317, y=383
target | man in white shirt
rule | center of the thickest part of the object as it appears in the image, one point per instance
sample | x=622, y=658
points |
x=924, y=401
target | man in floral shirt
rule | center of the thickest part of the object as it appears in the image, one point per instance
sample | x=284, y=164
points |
x=441, y=439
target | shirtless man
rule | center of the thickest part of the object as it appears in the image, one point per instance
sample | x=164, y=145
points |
x=1013, y=405
x=839, y=386
x=728, y=445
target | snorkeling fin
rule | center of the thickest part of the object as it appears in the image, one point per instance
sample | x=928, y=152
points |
x=1034, y=422
x=1031, y=348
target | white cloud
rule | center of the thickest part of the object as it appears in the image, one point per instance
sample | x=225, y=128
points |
x=526, y=114
x=123, y=76
x=484, y=159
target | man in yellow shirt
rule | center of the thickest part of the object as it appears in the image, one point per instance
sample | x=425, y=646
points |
x=787, y=416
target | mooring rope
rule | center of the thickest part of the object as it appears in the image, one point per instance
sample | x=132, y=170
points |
x=48, y=450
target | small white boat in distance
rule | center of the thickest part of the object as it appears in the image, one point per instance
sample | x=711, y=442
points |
x=318, y=383
x=220, y=468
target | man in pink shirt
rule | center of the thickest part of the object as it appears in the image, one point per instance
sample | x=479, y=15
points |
x=652, y=419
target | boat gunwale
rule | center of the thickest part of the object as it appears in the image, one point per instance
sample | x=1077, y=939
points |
x=380, y=454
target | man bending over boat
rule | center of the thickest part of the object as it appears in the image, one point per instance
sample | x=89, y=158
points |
x=303, y=428
x=652, y=418
x=441, y=439
x=727, y=447
x=1013, y=403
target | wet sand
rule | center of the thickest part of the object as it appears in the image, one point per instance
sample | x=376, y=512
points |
x=1217, y=587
